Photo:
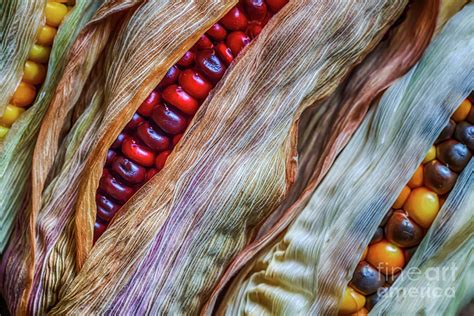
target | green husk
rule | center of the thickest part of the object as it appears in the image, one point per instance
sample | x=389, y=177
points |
x=16, y=149
x=307, y=269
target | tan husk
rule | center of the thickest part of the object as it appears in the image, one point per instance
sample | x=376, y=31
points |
x=306, y=270
x=51, y=236
x=16, y=149
x=166, y=248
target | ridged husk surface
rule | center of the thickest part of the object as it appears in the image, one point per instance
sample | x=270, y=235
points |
x=306, y=268
x=19, y=24
x=169, y=246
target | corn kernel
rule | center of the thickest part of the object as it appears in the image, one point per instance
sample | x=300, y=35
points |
x=422, y=205
x=55, y=13
x=24, y=94
x=401, y=198
x=386, y=257
x=462, y=111
x=46, y=35
x=3, y=131
x=34, y=73
x=417, y=178
x=351, y=302
x=39, y=54
x=11, y=114
x=430, y=155
x=361, y=312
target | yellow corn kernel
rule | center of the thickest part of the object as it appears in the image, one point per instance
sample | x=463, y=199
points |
x=422, y=205
x=462, y=111
x=417, y=178
x=3, y=131
x=24, y=94
x=386, y=257
x=46, y=35
x=430, y=155
x=12, y=113
x=39, y=54
x=401, y=198
x=351, y=302
x=55, y=13
x=34, y=73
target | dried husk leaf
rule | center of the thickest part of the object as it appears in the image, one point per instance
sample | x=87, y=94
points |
x=326, y=128
x=40, y=262
x=16, y=149
x=443, y=261
x=166, y=248
x=307, y=269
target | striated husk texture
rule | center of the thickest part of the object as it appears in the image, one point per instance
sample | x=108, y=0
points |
x=18, y=34
x=282, y=113
x=306, y=269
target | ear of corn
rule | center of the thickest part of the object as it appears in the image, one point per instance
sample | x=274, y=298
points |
x=44, y=48
x=208, y=128
x=308, y=267
x=119, y=90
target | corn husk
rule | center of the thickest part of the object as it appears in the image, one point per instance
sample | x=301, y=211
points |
x=306, y=269
x=43, y=254
x=169, y=245
x=16, y=149
x=259, y=164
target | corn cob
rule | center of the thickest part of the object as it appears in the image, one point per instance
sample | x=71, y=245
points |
x=34, y=71
x=141, y=149
x=412, y=214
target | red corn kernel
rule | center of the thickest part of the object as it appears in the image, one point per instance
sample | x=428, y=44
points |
x=118, y=141
x=150, y=173
x=195, y=84
x=187, y=60
x=128, y=170
x=237, y=41
x=99, y=229
x=171, y=77
x=110, y=157
x=177, y=138
x=136, y=121
x=150, y=102
x=176, y=96
x=203, y=43
x=256, y=9
x=106, y=208
x=153, y=137
x=169, y=119
x=234, y=20
x=224, y=53
x=210, y=65
x=276, y=5
x=138, y=153
x=115, y=189
x=254, y=29
x=161, y=159
x=217, y=32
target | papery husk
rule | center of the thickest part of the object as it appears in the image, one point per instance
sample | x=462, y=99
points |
x=327, y=127
x=41, y=260
x=443, y=262
x=307, y=269
x=167, y=246
x=16, y=149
